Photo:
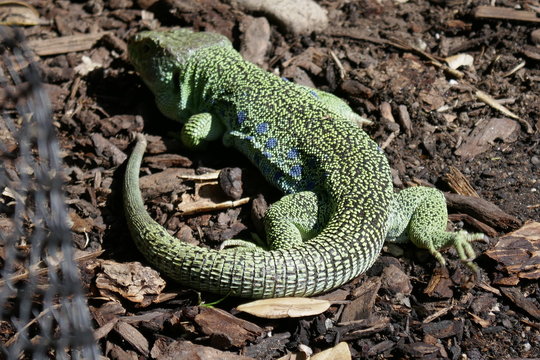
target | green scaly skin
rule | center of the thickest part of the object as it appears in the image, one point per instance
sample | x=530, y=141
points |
x=339, y=207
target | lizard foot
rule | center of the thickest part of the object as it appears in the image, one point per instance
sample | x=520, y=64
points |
x=461, y=240
x=243, y=245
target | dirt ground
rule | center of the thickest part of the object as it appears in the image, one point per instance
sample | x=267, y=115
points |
x=470, y=132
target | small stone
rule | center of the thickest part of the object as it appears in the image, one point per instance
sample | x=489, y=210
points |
x=297, y=17
x=535, y=36
x=535, y=160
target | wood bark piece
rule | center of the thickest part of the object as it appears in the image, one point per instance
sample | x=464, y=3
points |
x=362, y=306
x=498, y=12
x=405, y=119
x=444, y=329
x=376, y=325
x=268, y=346
x=440, y=284
x=526, y=304
x=482, y=210
x=459, y=183
x=518, y=252
x=165, y=161
x=107, y=149
x=107, y=312
x=132, y=336
x=187, y=350
x=65, y=44
x=395, y=280
x=481, y=138
x=473, y=223
x=256, y=34
x=224, y=329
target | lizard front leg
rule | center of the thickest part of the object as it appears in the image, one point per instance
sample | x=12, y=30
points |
x=200, y=129
x=419, y=214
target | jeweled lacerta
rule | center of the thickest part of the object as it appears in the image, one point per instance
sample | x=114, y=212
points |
x=339, y=205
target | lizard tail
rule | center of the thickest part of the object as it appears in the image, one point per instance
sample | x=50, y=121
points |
x=335, y=256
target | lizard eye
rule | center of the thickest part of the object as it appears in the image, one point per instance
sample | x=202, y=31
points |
x=145, y=48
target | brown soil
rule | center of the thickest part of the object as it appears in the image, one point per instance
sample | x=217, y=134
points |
x=384, y=67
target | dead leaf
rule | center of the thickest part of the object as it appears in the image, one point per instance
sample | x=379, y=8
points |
x=86, y=66
x=339, y=352
x=459, y=60
x=132, y=281
x=80, y=225
x=482, y=96
x=208, y=197
x=286, y=307
x=477, y=319
x=18, y=13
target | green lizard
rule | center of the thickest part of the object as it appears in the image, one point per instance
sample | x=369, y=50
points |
x=339, y=205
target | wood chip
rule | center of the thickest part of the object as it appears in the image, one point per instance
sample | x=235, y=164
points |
x=65, y=44
x=255, y=39
x=187, y=350
x=386, y=112
x=482, y=322
x=497, y=12
x=376, y=325
x=80, y=225
x=165, y=161
x=164, y=182
x=395, y=280
x=107, y=149
x=405, y=119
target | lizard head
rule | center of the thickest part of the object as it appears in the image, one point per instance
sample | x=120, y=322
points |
x=162, y=57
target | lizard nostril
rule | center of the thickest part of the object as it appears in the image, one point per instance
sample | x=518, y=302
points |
x=176, y=80
x=144, y=49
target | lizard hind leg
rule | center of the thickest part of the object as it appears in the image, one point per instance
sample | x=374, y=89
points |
x=293, y=219
x=419, y=214
x=288, y=222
